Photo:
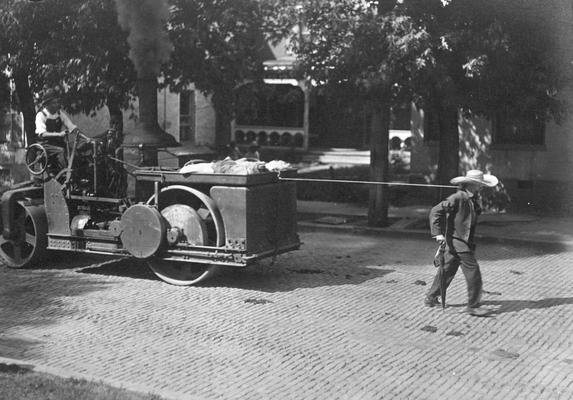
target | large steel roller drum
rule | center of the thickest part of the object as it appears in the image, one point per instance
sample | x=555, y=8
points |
x=144, y=231
x=191, y=218
x=185, y=224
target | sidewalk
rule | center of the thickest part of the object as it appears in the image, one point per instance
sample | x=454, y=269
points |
x=414, y=220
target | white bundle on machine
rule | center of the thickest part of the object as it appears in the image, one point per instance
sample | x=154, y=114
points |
x=241, y=166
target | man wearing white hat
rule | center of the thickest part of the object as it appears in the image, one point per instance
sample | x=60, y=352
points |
x=452, y=223
x=52, y=127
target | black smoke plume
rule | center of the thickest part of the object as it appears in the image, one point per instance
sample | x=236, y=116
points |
x=148, y=41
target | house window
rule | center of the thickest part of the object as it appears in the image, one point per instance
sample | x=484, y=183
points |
x=186, y=115
x=526, y=130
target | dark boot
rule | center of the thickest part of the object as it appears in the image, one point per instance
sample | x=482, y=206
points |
x=478, y=311
x=430, y=301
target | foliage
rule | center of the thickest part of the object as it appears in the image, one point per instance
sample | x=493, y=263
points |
x=20, y=383
x=99, y=66
x=72, y=43
x=475, y=58
x=494, y=61
x=478, y=59
x=82, y=46
x=218, y=45
x=357, y=44
x=489, y=59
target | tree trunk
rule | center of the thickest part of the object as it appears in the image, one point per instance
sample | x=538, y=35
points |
x=115, y=113
x=223, y=117
x=115, y=118
x=379, y=199
x=448, y=156
x=222, y=128
x=26, y=103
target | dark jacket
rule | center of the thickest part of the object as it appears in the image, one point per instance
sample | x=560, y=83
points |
x=456, y=219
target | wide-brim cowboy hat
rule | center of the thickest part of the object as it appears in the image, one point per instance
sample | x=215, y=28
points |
x=49, y=95
x=476, y=176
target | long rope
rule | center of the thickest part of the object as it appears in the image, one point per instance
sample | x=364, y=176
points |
x=331, y=180
x=366, y=182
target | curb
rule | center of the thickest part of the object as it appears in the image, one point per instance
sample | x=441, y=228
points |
x=65, y=374
x=424, y=234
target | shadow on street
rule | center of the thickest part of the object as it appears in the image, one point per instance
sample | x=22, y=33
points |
x=285, y=277
x=508, y=306
x=124, y=267
x=265, y=276
x=37, y=298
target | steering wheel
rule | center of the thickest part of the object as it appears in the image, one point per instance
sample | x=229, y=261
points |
x=36, y=159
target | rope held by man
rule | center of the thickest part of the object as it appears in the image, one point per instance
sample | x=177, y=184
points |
x=366, y=182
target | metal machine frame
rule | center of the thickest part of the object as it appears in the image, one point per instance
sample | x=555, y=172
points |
x=182, y=226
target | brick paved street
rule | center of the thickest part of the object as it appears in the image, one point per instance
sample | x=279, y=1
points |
x=340, y=319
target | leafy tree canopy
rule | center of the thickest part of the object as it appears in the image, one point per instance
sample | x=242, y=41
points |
x=218, y=45
x=488, y=57
x=76, y=44
x=361, y=44
x=82, y=46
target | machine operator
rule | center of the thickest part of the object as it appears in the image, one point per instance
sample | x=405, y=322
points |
x=52, y=128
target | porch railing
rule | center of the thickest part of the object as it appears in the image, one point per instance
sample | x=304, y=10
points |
x=270, y=136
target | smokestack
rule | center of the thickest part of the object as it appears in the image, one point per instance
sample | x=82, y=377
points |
x=149, y=48
x=147, y=131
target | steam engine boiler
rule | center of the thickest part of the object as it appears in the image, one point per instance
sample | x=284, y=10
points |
x=182, y=226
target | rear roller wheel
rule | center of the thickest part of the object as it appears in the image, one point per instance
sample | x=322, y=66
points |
x=192, y=219
x=180, y=273
x=30, y=239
